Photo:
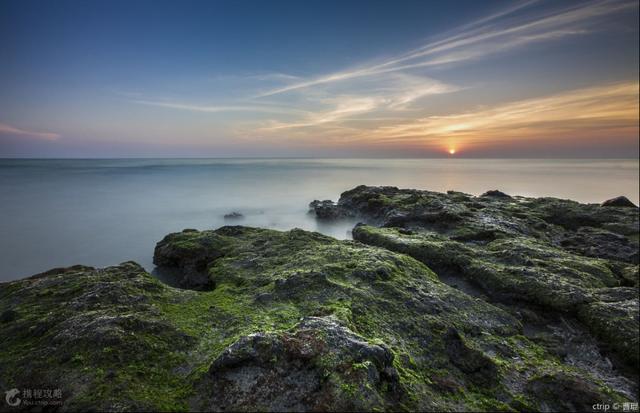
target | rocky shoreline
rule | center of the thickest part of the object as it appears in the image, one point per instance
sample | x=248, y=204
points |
x=442, y=302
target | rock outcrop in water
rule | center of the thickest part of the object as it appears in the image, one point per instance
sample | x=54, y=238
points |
x=620, y=201
x=233, y=215
x=445, y=302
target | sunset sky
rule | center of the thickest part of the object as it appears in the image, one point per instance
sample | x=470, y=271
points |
x=319, y=78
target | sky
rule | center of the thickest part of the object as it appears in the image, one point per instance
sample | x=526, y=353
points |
x=490, y=79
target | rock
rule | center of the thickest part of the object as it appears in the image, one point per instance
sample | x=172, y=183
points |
x=495, y=194
x=327, y=210
x=70, y=330
x=601, y=243
x=620, y=201
x=319, y=365
x=479, y=367
x=301, y=321
x=544, y=254
x=233, y=215
x=478, y=219
x=613, y=317
x=567, y=392
x=8, y=316
x=189, y=253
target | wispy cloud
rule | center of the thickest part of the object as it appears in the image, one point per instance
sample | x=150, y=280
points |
x=345, y=107
x=393, y=93
x=575, y=112
x=219, y=108
x=10, y=130
x=485, y=37
x=391, y=101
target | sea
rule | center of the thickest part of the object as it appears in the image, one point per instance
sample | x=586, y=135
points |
x=100, y=212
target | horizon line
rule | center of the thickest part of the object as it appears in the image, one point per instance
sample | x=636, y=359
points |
x=320, y=157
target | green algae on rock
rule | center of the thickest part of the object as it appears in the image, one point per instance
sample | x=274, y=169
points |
x=289, y=321
x=561, y=256
x=98, y=335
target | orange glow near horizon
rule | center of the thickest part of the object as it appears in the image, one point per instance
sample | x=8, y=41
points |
x=580, y=115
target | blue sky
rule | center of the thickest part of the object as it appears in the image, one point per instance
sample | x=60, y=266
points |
x=348, y=78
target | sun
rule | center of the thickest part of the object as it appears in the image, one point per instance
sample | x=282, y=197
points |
x=452, y=151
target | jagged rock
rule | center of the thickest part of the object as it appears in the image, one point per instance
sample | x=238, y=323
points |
x=328, y=210
x=479, y=367
x=189, y=256
x=319, y=365
x=233, y=215
x=613, y=317
x=466, y=338
x=301, y=321
x=566, y=392
x=102, y=354
x=598, y=242
x=496, y=194
x=557, y=255
x=585, y=229
x=619, y=201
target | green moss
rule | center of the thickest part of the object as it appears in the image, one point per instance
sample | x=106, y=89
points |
x=135, y=341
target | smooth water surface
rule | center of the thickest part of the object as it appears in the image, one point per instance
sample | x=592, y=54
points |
x=101, y=212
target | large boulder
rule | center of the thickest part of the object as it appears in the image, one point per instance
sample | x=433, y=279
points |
x=187, y=255
x=300, y=321
x=319, y=365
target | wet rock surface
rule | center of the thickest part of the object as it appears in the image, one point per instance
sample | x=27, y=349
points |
x=190, y=256
x=327, y=210
x=444, y=302
x=95, y=334
x=542, y=255
x=319, y=365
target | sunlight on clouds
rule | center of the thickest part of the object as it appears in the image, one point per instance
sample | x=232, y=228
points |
x=596, y=112
x=380, y=103
x=602, y=108
x=10, y=130
x=394, y=93
x=415, y=88
x=390, y=102
x=345, y=107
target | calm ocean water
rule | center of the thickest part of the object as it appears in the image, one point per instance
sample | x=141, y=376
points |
x=102, y=212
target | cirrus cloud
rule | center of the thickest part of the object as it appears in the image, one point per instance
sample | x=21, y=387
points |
x=6, y=129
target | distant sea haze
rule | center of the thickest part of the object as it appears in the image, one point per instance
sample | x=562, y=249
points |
x=102, y=212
